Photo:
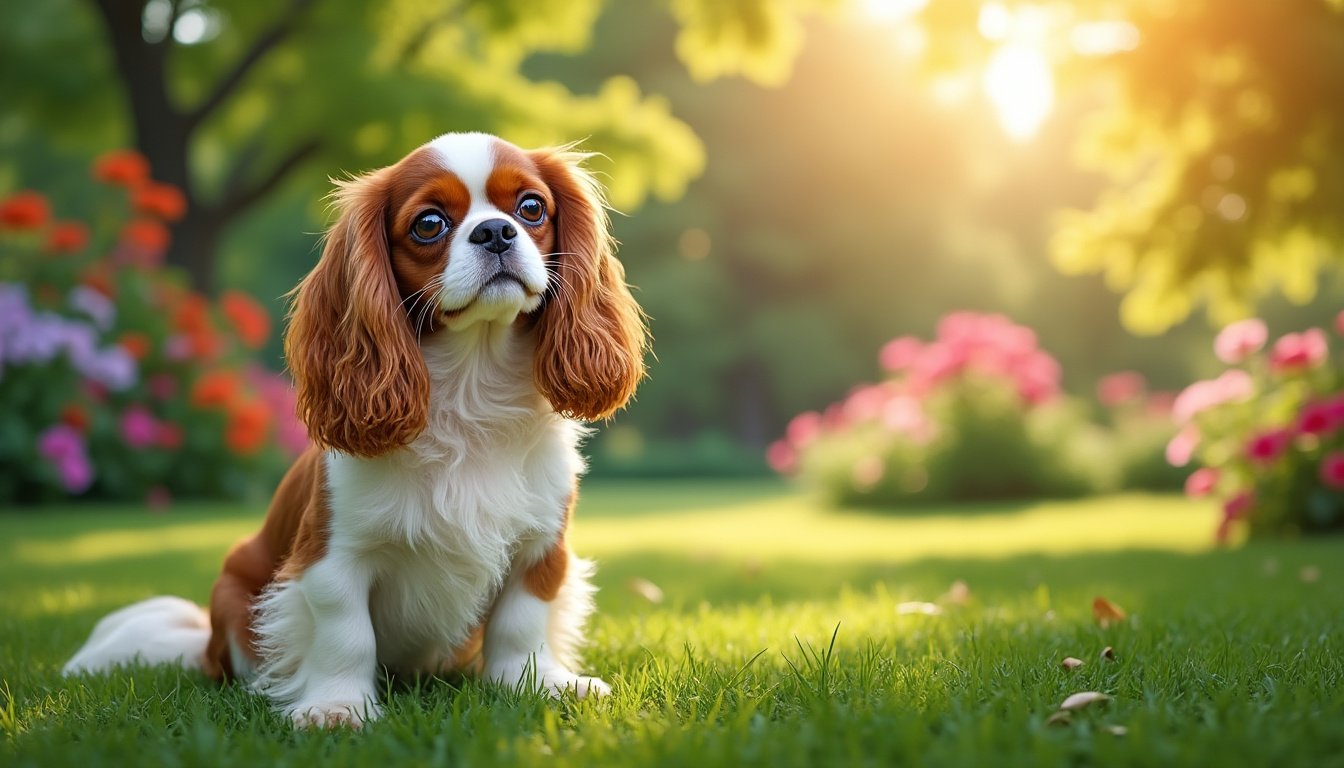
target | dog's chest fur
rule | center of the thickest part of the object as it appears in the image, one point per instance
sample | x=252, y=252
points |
x=441, y=521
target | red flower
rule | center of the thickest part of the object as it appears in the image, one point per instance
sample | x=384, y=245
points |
x=248, y=317
x=76, y=416
x=99, y=279
x=136, y=344
x=67, y=237
x=1319, y=418
x=24, y=210
x=248, y=426
x=1299, y=351
x=192, y=314
x=146, y=235
x=163, y=200
x=1332, y=470
x=169, y=436
x=1267, y=447
x=215, y=388
x=204, y=344
x=123, y=167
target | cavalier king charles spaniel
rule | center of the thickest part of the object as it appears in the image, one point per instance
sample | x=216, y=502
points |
x=466, y=315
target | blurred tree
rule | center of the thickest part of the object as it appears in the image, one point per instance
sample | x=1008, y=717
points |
x=1219, y=123
x=1226, y=148
x=228, y=99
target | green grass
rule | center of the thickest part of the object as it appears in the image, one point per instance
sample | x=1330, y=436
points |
x=778, y=642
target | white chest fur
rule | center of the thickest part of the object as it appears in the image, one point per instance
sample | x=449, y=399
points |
x=438, y=524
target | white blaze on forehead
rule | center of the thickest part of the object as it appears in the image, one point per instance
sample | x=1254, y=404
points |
x=470, y=157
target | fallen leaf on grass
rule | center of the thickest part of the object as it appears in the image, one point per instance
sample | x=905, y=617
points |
x=959, y=593
x=1310, y=574
x=1059, y=718
x=1108, y=653
x=1117, y=730
x=1080, y=700
x=1106, y=613
x=646, y=589
x=1071, y=663
x=917, y=607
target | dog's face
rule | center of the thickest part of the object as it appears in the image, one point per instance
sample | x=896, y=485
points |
x=471, y=227
x=466, y=230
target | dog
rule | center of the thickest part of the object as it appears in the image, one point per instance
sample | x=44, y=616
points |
x=466, y=316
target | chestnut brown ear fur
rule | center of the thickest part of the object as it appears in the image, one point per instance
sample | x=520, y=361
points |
x=362, y=383
x=591, y=335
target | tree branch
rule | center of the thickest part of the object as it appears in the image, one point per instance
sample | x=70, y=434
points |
x=237, y=198
x=275, y=34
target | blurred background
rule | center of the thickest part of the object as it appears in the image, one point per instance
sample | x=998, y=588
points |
x=884, y=243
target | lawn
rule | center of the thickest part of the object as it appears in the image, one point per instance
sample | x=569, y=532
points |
x=784, y=637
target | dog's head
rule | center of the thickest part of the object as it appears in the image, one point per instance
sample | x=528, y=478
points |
x=467, y=229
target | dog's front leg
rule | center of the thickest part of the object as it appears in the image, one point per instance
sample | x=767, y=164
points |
x=318, y=642
x=537, y=622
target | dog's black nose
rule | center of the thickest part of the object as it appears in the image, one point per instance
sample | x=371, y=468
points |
x=495, y=235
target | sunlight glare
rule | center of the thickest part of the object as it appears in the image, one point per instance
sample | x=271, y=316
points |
x=891, y=11
x=1021, y=87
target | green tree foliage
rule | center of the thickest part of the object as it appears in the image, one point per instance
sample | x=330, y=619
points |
x=229, y=100
x=1225, y=143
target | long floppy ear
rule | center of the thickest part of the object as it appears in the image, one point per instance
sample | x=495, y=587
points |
x=362, y=384
x=591, y=336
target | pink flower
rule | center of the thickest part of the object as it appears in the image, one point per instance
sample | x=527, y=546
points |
x=865, y=402
x=63, y=446
x=1181, y=448
x=1233, y=386
x=1332, y=470
x=139, y=428
x=1239, y=341
x=781, y=457
x=905, y=416
x=1201, y=482
x=1296, y=352
x=804, y=428
x=899, y=354
x=1120, y=388
x=1266, y=447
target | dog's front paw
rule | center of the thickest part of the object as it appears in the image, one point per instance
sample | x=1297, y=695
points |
x=333, y=714
x=582, y=687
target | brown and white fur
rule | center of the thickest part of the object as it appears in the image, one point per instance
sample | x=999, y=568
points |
x=442, y=384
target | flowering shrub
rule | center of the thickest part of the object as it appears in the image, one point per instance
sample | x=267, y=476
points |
x=1137, y=426
x=117, y=380
x=1267, y=434
x=975, y=413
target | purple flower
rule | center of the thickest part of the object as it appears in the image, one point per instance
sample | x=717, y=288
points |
x=63, y=446
x=94, y=304
x=139, y=428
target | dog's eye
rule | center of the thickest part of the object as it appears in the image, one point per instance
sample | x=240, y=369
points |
x=531, y=209
x=429, y=227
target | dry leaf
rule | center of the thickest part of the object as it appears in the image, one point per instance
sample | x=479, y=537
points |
x=646, y=589
x=1059, y=718
x=1118, y=730
x=1310, y=574
x=1071, y=663
x=1106, y=613
x=959, y=593
x=927, y=609
x=1080, y=700
x=1108, y=653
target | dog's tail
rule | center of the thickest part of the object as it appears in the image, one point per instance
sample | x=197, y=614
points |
x=160, y=630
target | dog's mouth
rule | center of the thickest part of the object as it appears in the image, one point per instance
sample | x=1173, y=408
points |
x=492, y=284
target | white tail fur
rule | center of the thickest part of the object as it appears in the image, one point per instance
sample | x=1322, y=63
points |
x=160, y=630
